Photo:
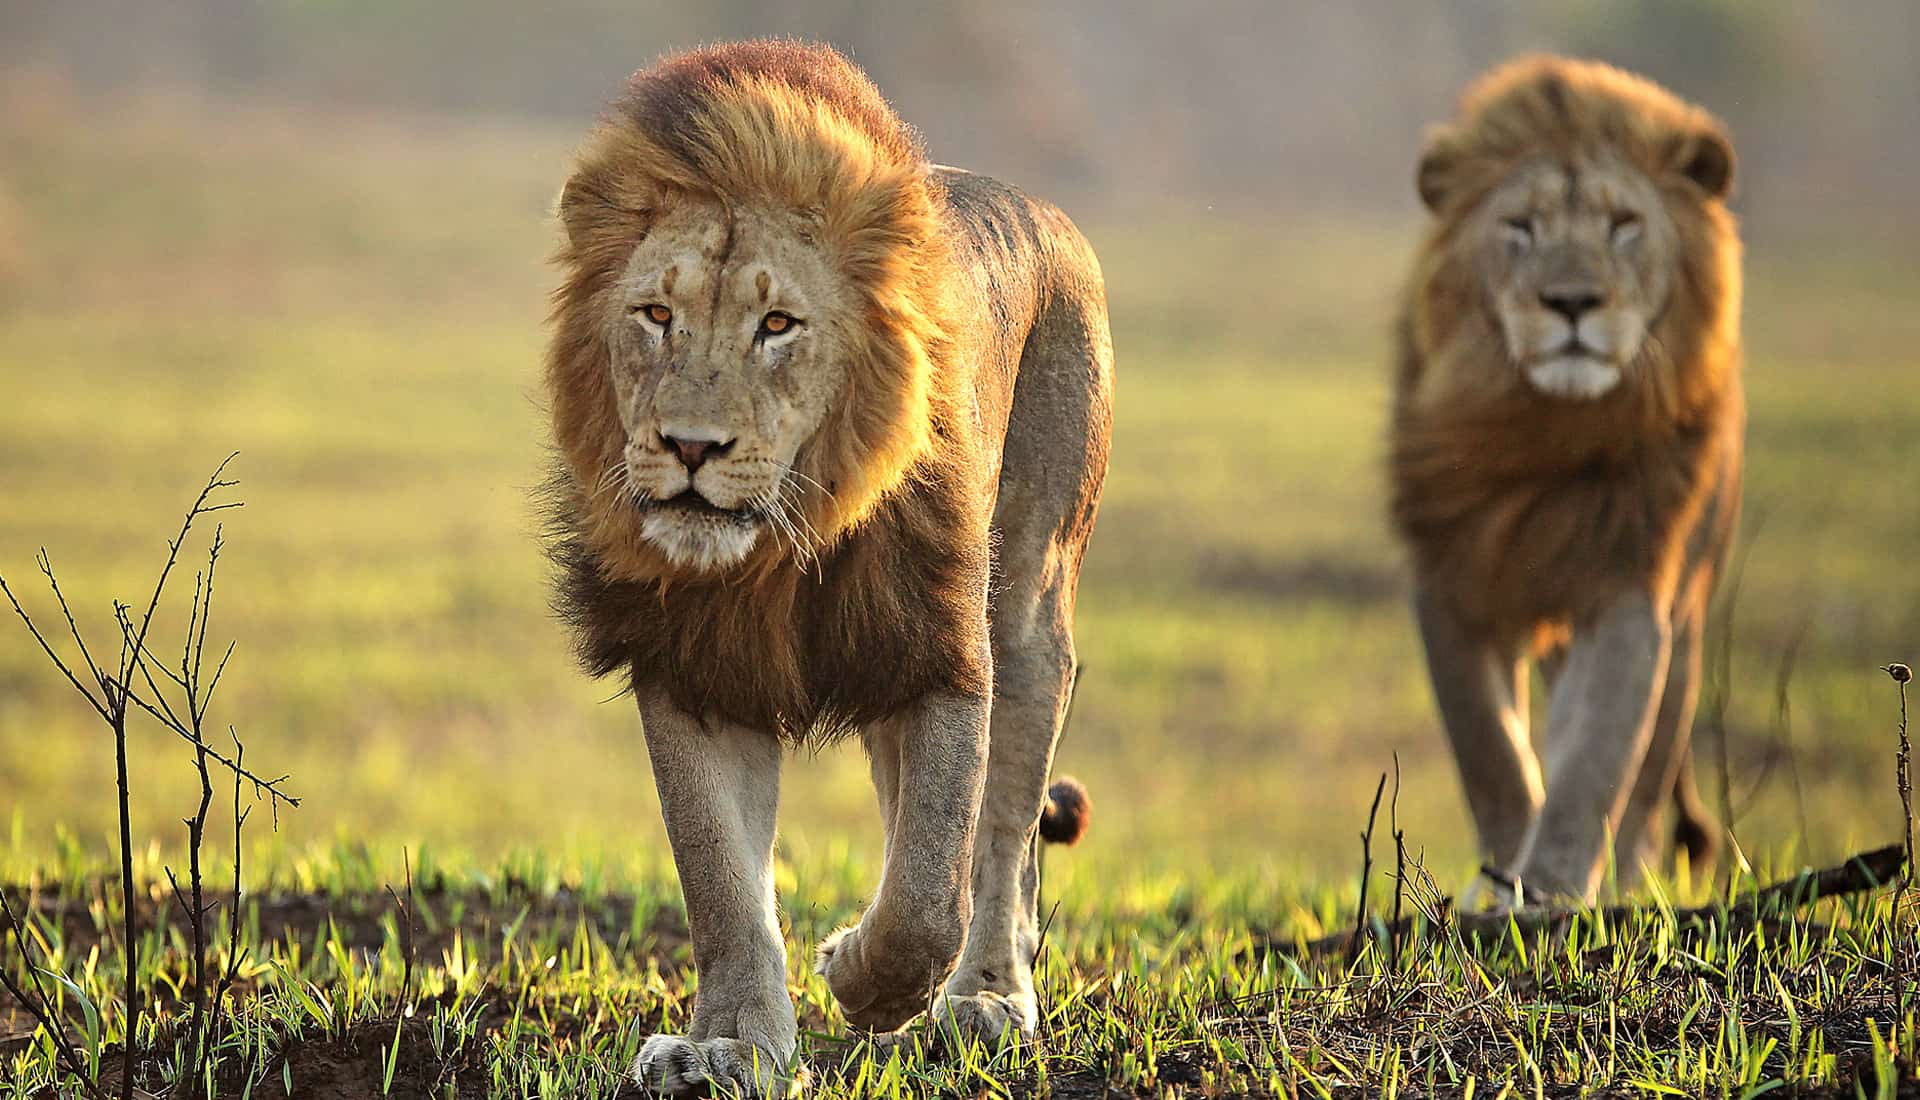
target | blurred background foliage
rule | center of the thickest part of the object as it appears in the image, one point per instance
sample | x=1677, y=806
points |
x=314, y=231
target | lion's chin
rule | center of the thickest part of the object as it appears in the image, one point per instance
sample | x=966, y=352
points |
x=699, y=543
x=1573, y=377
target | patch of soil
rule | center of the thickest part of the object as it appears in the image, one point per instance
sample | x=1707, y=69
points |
x=354, y=1067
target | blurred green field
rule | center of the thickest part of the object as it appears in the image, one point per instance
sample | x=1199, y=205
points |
x=355, y=305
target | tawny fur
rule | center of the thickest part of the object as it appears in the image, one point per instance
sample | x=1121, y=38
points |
x=942, y=406
x=1527, y=517
x=1530, y=514
x=773, y=647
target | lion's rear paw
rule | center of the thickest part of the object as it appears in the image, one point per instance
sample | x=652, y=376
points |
x=875, y=989
x=992, y=1019
x=672, y=1065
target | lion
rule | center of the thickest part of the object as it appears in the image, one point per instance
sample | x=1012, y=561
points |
x=832, y=425
x=1565, y=463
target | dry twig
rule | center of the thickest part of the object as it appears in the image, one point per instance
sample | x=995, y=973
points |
x=1366, y=872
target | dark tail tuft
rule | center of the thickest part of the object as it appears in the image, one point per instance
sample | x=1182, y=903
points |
x=1698, y=837
x=1068, y=812
x=1694, y=829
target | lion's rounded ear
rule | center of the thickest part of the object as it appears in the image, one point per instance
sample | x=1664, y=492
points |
x=582, y=207
x=589, y=206
x=1435, y=176
x=1706, y=157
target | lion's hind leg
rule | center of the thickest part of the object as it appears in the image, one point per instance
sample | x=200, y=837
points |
x=990, y=995
x=1666, y=774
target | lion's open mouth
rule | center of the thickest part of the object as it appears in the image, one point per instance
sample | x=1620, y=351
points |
x=690, y=503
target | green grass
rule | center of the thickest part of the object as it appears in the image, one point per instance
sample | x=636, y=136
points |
x=356, y=306
x=541, y=979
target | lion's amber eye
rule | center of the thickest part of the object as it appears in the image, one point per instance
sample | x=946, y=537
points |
x=656, y=313
x=775, y=323
x=1518, y=230
x=1624, y=226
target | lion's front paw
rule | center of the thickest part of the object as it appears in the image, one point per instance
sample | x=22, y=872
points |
x=672, y=1065
x=875, y=989
x=992, y=1019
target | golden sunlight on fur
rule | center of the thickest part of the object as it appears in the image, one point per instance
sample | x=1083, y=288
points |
x=1566, y=451
x=832, y=427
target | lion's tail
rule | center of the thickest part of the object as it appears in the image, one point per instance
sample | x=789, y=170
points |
x=1068, y=812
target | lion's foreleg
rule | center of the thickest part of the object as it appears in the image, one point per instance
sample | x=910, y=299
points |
x=1603, y=712
x=884, y=970
x=719, y=790
x=1482, y=697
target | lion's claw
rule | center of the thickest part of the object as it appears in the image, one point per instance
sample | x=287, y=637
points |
x=992, y=1019
x=673, y=1065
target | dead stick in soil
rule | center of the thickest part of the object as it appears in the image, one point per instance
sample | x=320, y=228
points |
x=1399, y=865
x=406, y=934
x=232, y=969
x=1366, y=872
x=1865, y=871
x=1902, y=778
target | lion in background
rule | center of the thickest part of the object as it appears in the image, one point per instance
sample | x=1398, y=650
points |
x=832, y=425
x=1566, y=453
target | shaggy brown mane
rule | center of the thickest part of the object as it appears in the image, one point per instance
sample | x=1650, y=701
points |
x=893, y=489
x=1530, y=513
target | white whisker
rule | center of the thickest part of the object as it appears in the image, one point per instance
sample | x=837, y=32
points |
x=769, y=505
x=796, y=506
x=789, y=471
x=787, y=496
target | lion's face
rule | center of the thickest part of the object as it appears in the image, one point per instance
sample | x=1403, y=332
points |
x=725, y=339
x=1577, y=260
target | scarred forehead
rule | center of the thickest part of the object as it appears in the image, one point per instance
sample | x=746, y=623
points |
x=753, y=254
x=686, y=242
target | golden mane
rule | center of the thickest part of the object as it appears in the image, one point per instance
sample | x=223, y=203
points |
x=1554, y=105
x=1522, y=504
x=799, y=127
x=896, y=496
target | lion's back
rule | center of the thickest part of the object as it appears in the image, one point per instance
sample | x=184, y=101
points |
x=1038, y=329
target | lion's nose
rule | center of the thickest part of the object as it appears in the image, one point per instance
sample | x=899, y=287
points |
x=1572, y=302
x=693, y=453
